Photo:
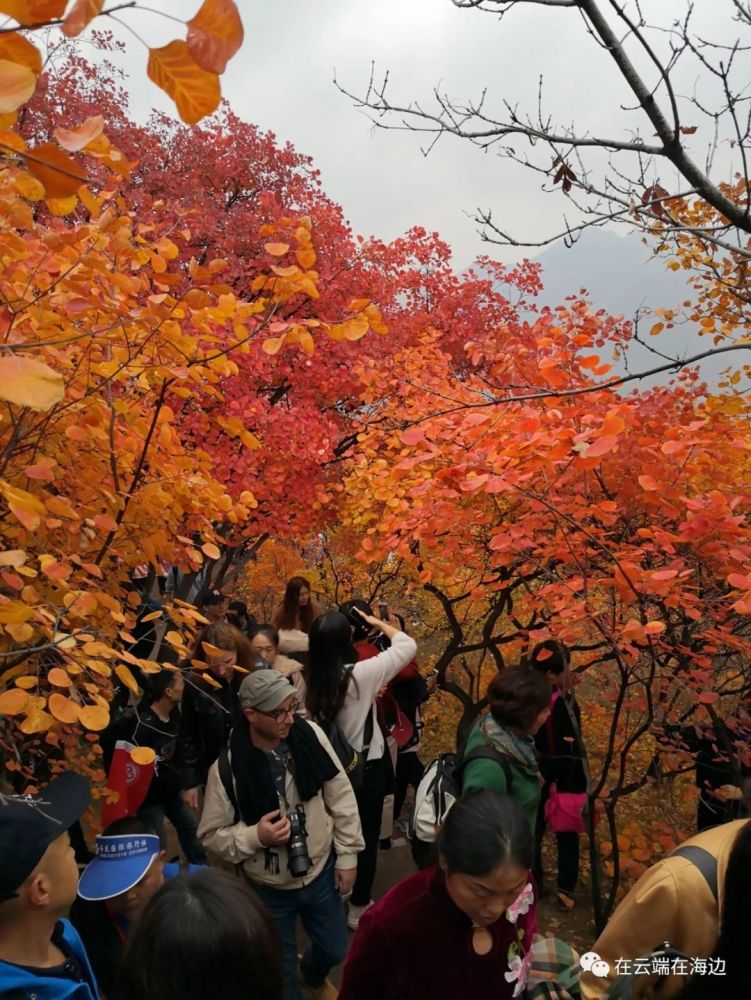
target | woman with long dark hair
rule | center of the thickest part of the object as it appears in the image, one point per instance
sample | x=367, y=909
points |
x=342, y=690
x=462, y=929
x=298, y=610
x=203, y=935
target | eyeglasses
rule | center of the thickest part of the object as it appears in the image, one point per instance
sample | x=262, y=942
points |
x=278, y=714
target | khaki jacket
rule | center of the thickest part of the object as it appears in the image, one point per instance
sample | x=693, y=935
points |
x=331, y=819
x=670, y=902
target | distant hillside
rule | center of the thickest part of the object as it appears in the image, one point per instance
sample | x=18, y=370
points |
x=622, y=277
x=618, y=272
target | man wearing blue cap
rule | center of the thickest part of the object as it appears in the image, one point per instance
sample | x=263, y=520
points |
x=127, y=870
x=41, y=955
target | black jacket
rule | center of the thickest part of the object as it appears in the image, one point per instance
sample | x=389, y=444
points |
x=208, y=715
x=151, y=731
x=560, y=758
x=718, y=761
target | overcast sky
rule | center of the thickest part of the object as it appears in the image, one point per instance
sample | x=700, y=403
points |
x=282, y=80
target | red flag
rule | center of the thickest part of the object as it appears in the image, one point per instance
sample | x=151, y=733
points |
x=130, y=780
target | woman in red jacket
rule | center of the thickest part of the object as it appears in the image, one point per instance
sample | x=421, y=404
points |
x=463, y=929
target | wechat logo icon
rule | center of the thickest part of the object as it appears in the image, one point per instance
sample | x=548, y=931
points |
x=591, y=962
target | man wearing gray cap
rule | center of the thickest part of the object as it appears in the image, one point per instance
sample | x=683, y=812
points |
x=279, y=805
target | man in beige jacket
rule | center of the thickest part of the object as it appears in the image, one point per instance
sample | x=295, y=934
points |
x=678, y=900
x=279, y=805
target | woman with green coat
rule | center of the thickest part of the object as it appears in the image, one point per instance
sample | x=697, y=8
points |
x=519, y=703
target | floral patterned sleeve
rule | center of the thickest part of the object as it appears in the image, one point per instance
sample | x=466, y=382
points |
x=523, y=915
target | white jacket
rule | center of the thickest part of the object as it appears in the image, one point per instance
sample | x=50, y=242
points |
x=293, y=640
x=331, y=819
x=368, y=677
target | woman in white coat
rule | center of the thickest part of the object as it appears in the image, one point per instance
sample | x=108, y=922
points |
x=340, y=689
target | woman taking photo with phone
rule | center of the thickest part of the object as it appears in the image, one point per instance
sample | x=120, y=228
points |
x=343, y=691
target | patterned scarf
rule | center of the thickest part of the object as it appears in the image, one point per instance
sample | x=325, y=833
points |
x=520, y=749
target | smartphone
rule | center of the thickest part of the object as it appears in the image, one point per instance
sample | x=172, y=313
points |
x=383, y=610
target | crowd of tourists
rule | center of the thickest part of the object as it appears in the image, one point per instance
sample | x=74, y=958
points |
x=285, y=755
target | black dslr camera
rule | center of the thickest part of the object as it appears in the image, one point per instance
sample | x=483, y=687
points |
x=297, y=845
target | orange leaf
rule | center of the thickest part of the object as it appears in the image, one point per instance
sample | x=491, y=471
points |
x=211, y=550
x=273, y=344
x=30, y=12
x=21, y=633
x=27, y=682
x=152, y=616
x=143, y=756
x=80, y=15
x=707, y=697
x=59, y=678
x=195, y=91
x=17, y=84
x=13, y=702
x=672, y=447
x=601, y=446
x=306, y=257
x=18, y=49
x=648, y=483
x=150, y=667
x=41, y=471
x=13, y=557
x=654, y=627
x=59, y=173
x=27, y=382
x=126, y=676
x=14, y=613
x=211, y=681
x=95, y=717
x=74, y=139
x=276, y=249
x=613, y=423
x=106, y=522
x=36, y=721
x=215, y=34
x=63, y=709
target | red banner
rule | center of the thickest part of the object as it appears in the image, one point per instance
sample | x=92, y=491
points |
x=130, y=780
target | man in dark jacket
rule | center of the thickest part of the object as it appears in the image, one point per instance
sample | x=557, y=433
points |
x=210, y=708
x=561, y=759
x=158, y=727
x=722, y=752
x=41, y=955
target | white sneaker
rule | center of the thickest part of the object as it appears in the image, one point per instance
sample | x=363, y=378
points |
x=354, y=914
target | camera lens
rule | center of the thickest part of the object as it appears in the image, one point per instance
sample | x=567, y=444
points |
x=297, y=846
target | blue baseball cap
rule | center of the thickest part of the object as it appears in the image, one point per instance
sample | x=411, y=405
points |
x=120, y=863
